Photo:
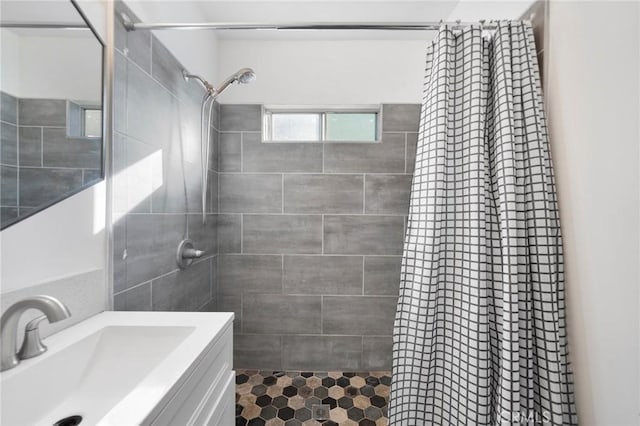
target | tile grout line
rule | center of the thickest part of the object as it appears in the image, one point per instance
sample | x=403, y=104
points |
x=364, y=193
x=322, y=237
x=41, y=146
x=406, y=160
x=363, y=275
x=241, y=313
x=322, y=314
x=241, y=233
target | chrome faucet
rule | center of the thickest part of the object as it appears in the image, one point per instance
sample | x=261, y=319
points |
x=53, y=309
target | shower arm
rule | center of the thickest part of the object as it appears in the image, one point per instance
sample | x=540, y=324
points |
x=208, y=87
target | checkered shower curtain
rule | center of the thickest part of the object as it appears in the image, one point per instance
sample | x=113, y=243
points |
x=480, y=334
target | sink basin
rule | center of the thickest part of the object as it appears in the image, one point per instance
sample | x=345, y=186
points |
x=113, y=369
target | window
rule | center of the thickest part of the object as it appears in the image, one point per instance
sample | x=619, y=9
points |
x=318, y=125
x=92, y=123
x=84, y=120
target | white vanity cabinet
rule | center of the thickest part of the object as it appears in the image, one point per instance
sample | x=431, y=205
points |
x=205, y=395
x=128, y=368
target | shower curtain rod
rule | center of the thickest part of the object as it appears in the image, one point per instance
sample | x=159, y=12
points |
x=396, y=26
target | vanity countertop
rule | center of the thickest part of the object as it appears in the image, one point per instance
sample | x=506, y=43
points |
x=114, y=368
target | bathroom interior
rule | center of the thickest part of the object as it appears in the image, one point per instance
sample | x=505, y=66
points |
x=262, y=212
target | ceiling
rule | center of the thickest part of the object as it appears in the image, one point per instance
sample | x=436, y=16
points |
x=269, y=11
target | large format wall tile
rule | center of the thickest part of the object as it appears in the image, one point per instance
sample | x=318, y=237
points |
x=382, y=275
x=9, y=186
x=400, y=117
x=258, y=156
x=177, y=189
x=359, y=315
x=300, y=234
x=136, y=44
x=231, y=303
x=250, y=193
x=239, y=274
x=412, y=146
x=204, y=235
x=42, y=112
x=58, y=150
x=377, y=352
x=185, y=290
x=257, y=351
x=120, y=78
x=31, y=146
x=322, y=353
x=387, y=194
x=230, y=155
x=363, y=234
x=8, y=214
x=157, y=181
x=8, y=108
x=387, y=156
x=8, y=144
x=247, y=118
x=323, y=193
x=353, y=264
x=40, y=186
x=150, y=109
x=281, y=314
x=322, y=275
x=229, y=233
x=152, y=241
x=136, y=299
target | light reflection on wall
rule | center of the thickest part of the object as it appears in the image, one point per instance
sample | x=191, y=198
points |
x=138, y=182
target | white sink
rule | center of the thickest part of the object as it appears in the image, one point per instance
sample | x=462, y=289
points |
x=117, y=368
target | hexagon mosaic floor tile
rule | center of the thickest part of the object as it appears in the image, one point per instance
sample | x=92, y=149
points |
x=279, y=398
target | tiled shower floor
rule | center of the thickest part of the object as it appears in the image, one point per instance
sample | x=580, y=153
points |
x=277, y=398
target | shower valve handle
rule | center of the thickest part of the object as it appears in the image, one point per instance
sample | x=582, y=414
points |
x=186, y=253
x=191, y=253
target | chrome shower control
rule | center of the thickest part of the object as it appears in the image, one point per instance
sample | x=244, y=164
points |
x=186, y=253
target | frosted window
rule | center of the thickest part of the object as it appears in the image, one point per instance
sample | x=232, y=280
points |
x=350, y=126
x=296, y=127
x=92, y=123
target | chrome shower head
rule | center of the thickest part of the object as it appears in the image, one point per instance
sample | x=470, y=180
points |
x=242, y=76
x=246, y=76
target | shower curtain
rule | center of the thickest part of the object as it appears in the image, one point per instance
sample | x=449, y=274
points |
x=480, y=334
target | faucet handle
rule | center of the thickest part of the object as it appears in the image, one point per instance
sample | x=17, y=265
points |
x=32, y=345
x=34, y=323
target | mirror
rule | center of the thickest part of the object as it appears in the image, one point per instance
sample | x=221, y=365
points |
x=51, y=112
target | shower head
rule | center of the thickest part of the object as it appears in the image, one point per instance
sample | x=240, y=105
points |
x=242, y=76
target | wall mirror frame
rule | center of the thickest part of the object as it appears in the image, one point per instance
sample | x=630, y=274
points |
x=84, y=116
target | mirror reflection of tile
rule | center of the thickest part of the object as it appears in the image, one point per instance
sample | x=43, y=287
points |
x=45, y=154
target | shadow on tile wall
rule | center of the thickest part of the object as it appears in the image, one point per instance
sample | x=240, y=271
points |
x=310, y=239
x=156, y=190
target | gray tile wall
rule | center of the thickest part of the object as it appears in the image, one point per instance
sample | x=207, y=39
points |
x=40, y=163
x=310, y=238
x=157, y=175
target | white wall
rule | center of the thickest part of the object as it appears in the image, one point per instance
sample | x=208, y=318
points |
x=9, y=54
x=325, y=72
x=50, y=63
x=593, y=101
x=60, y=68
